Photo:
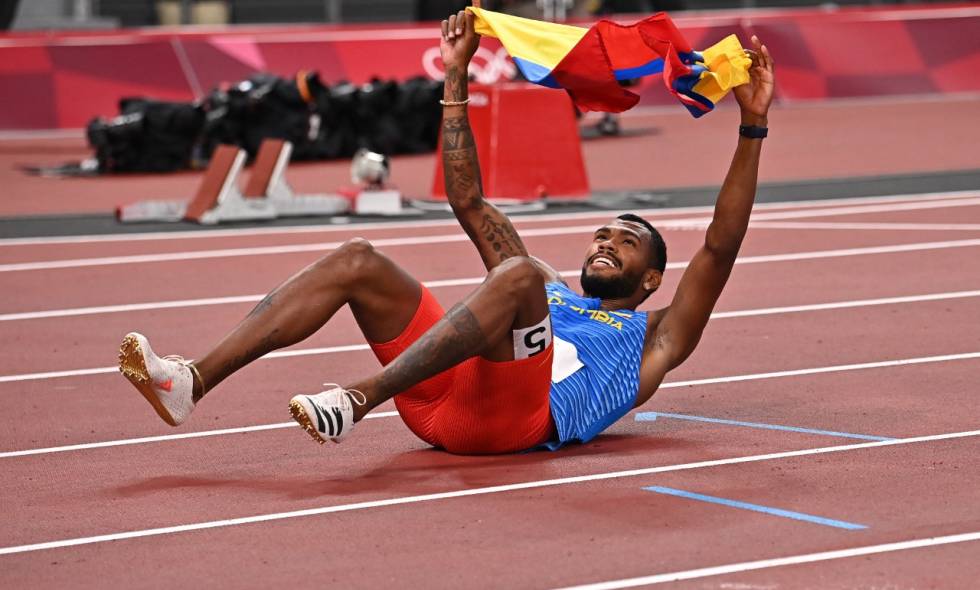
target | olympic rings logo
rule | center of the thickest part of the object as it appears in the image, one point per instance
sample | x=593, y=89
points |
x=487, y=66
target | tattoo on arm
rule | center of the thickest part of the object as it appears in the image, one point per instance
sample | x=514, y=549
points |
x=460, y=164
x=263, y=305
x=491, y=231
x=453, y=339
x=501, y=237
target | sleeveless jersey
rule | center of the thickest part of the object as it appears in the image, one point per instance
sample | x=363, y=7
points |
x=596, y=367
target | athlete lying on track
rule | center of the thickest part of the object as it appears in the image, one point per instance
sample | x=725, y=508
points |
x=523, y=360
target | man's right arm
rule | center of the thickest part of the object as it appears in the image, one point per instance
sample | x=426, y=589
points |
x=492, y=233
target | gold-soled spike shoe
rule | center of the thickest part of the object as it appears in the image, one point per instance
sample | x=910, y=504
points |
x=167, y=383
x=298, y=413
x=328, y=415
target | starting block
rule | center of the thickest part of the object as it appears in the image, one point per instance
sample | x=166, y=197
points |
x=218, y=199
x=268, y=182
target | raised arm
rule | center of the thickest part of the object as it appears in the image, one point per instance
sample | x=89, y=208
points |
x=681, y=324
x=491, y=231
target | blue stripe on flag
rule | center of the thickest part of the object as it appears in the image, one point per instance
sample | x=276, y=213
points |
x=536, y=73
x=651, y=67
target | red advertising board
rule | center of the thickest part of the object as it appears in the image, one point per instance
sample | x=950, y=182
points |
x=62, y=80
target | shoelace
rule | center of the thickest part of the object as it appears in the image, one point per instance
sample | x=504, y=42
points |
x=190, y=365
x=350, y=393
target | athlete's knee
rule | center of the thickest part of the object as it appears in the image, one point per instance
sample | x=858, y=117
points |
x=356, y=248
x=352, y=260
x=518, y=274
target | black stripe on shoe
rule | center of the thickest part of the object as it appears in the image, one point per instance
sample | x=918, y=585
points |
x=320, y=426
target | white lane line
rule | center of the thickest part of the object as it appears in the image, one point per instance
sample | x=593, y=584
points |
x=104, y=370
x=842, y=304
x=667, y=385
x=517, y=219
x=716, y=315
x=813, y=255
x=471, y=492
x=761, y=218
x=100, y=309
x=165, y=438
x=178, y=304
x=748, y=566
x=439, y=239
x=859, y=251
x=830, y=369
x=886, y=226
x=856, y=210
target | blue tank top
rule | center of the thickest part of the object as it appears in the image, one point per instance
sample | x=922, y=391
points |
x=596, y=368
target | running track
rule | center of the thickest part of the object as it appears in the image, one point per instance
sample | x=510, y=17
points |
x=852, y=322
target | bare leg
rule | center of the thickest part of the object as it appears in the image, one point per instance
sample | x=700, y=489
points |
x=382, y=296
x=512, y=297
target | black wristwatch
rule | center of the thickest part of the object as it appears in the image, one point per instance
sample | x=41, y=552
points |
x=753, y=132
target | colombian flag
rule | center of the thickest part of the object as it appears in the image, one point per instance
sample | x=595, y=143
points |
x=587, y=63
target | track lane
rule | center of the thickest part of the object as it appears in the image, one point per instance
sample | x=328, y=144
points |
x=438, y=516
x=969, y=214
x=190, y=330
x=258, y=394
x=946, y=566
x=579, y=515
x=90, y=286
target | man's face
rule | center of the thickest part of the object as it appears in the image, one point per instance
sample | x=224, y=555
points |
x=617, y=260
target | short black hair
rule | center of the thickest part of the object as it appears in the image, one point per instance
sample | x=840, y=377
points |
x=658, y=248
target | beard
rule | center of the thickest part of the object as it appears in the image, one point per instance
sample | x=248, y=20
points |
x=616, y=287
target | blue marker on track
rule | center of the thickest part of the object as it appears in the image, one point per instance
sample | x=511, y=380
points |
x=758, y=508
x=651, y=416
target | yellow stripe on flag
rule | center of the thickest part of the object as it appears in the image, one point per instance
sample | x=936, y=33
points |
x=728, y=67
x=542, y=43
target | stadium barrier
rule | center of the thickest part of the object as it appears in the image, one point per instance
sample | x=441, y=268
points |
x=62, y=80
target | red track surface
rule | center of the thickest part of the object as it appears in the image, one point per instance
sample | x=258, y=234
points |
x=539, y=537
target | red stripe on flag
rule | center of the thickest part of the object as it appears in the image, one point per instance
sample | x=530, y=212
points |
x=630, y=46
x=587, y=71
x=587, y=75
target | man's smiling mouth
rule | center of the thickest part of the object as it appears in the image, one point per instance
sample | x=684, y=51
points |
x=604, y=260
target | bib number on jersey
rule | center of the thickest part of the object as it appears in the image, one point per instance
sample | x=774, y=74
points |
x=533, y=340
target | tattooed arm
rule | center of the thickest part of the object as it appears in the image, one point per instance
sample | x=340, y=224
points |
x=491, y=231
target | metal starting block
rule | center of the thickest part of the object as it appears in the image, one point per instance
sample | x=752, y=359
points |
x=268, y=182
x=218, y=199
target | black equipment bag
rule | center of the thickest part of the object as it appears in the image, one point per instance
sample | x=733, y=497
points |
x=147, y=136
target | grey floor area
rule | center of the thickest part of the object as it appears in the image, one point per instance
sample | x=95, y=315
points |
x=100, y=224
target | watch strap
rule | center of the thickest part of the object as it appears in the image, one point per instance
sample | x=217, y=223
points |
x=753, y=131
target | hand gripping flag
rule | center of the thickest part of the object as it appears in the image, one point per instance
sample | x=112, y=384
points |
x=588, y=63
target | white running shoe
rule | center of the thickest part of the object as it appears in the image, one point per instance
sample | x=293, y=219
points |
x=332, y=409
x=167, y=383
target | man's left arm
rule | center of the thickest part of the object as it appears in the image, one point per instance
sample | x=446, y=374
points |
x=674, y=337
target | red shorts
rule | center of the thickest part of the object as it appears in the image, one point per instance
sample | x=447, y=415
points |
x=479, y=406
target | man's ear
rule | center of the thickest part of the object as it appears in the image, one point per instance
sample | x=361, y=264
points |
x=651, y=279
